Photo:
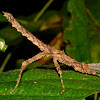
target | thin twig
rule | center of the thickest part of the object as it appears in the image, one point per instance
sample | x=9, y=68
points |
x=43, y=10
x=57, y=55
x=92, y=17
x=5, y=62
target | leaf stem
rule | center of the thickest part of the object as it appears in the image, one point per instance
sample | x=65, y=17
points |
x=5, y=62
x=95, y=96
x=43, y=10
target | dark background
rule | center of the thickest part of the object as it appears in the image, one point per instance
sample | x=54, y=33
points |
x=25, y=8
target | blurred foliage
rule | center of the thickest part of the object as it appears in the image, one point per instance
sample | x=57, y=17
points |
x=79, y=21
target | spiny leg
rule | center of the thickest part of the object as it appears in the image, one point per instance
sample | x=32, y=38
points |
x=60, y=73
x=25, y=63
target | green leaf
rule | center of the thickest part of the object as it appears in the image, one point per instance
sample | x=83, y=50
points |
x=76, y=33
x=3, y=46
x=45, y=84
